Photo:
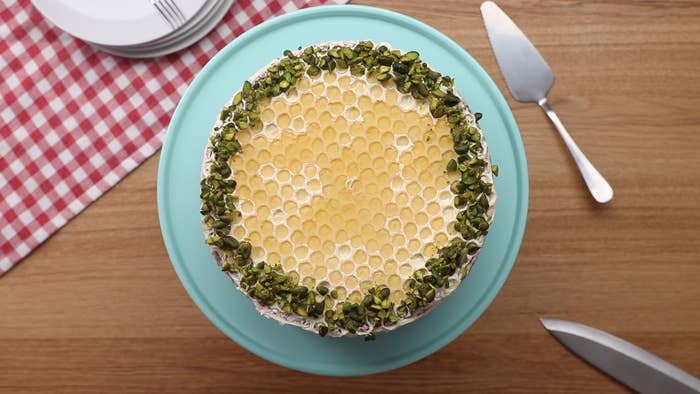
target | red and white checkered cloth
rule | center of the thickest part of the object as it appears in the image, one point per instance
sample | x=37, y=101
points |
x=74, y=121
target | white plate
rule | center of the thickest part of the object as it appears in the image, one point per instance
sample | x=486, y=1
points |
x=192, y=24
x=197, y=33
x=112, y=22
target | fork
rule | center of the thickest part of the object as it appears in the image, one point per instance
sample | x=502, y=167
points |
x=169, y=10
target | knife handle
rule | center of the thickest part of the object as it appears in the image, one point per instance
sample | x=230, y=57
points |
x=600, y=188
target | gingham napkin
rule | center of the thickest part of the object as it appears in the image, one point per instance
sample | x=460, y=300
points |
x=74, y=121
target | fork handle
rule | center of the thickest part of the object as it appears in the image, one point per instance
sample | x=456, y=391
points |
x=600, y=188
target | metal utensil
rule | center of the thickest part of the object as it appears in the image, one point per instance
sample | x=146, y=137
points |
x=169, y=10
x=529, y=78
x=631, y=365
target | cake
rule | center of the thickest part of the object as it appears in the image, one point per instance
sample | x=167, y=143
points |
x=346, y=188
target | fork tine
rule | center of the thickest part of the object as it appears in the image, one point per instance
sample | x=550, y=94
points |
x=176, y=10
x=164, y=13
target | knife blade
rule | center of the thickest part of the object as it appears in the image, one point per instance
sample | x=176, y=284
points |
x=529, y=79
x=635, y=367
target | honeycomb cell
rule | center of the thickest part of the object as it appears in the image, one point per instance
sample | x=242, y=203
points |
x=418, y=148
x=318, y=88
x=344, y=82
x=394, y=282
x=297, y=237
x=289, y=263
x=402, y=199
x=314, y=185
x=325, y=119
x=391, y=209
x=351, y=282
x=429, y=250
x=257, y=253
x=329, y=77
x=321, y=104
x=333, y=93
x=336, y=277
x=298, y=124
x=417, y=203
x=378, y=277
x=283, y=121
x=347, y=267
x=298, y=180
x=273, y=258
x=268, y=115
x=340, y=237
x=433, y=208
x=415, y=133
x=281, y=232
x=365, y=285
x=305, y=211
x=406, y=214
x=336, y=108
x=246, y=207
x=306, y=99
x=309, y=282
x=441, y=239
x=344, y=138
x=396, y=296
x=395, y=224
x=349, y=97
x=239, y=232
x=390, y=266
x=375, y=148
x=410, y=229
x=305, y=268
x=386, y=250
x=289, y=206
x=332, y=262
x=398, y=240
x=286, y=248
x=355, y=296
x=301, y=195
x=386, y=194
x=391, y=96
x=387, y=139
x=271, y=188
x=359, y=87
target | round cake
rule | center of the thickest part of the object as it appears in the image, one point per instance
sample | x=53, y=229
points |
x=346, y=188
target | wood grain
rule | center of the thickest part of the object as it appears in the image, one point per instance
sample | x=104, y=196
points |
x=98, y=308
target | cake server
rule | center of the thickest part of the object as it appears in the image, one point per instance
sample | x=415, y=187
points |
x=631, y=365
x=529, y=78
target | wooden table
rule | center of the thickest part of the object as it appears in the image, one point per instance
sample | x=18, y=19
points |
x=98, y=308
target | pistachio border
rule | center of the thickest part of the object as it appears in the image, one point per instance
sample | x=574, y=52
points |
x=268, y=285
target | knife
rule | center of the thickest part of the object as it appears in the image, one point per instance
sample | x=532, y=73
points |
x=529, y=78
x=631, y=365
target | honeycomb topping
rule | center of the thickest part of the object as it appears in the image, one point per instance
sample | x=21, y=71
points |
x=346, y=188
x=345, y=185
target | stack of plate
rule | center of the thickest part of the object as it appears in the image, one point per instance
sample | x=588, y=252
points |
x=136, y=28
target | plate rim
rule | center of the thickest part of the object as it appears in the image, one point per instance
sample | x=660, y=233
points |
x=206, y=26
x=65, y=18
x=517, y=233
